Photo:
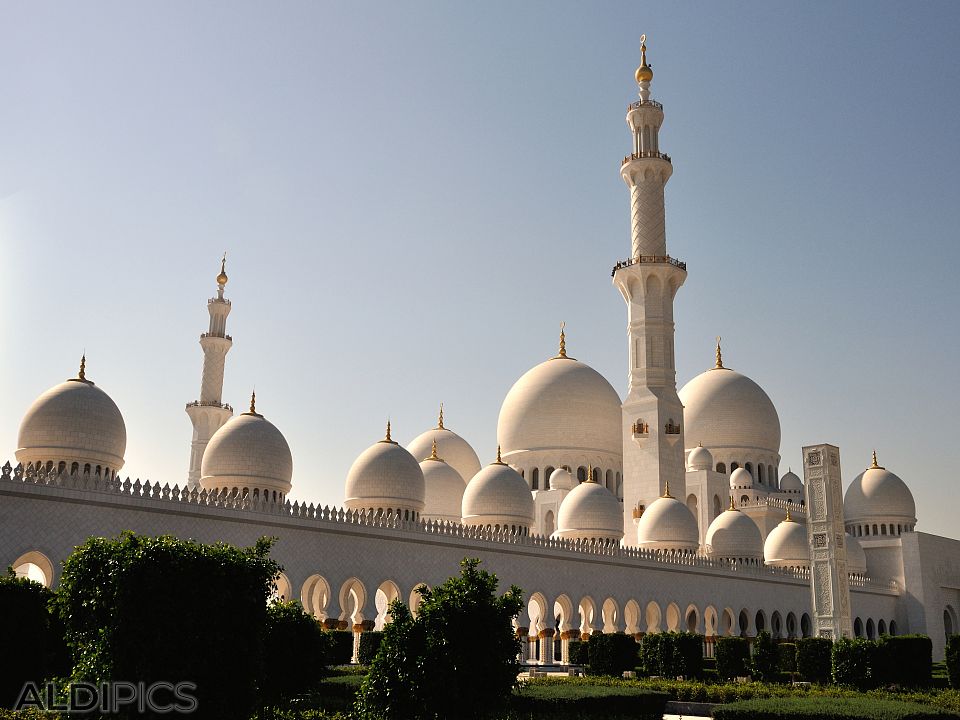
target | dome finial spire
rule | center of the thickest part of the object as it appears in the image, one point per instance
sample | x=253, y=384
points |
x=719, y=363
x=387, y=438
x=433, y=451
x=499, y=459
x=82, y=375
x=644, y=73
x=788, y=518
x=874, y=465
x=666, y=489
x=253, y=402
x=732, y=505
x=440, y=419
x=562, y=355
x=590, y=473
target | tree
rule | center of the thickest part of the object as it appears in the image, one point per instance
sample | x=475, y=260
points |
x=33, y=637
x=457, y=658
x=294, y=650
x=149, y=609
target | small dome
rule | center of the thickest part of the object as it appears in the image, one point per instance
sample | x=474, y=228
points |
x=668, y=525
x=725, y=410
x=247, y=453
x=451, y=447
x=73, y=422
x=734, y=536
x=444, y=490
x=385, y=478
x=561, y=403
x=740, y=479
x=561, y=479
x=786, y=546
x=700, y=459
x=856, y=557
x=590, y=512
x=878, y=494
x=498, y=496
x=791, y=482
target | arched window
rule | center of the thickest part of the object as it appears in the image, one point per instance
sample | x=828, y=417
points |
x=734, y=466
x=875, y=529
x=546, y=477
x=535, y=478
x=805, y=625
x=882, y=627
x=610, y=486
x=858, y=628
x=744, y=499
x=722, y=468
x=749, y=468
x=893, y=627
x=717, y=506
x=549, y=523
x=581, y=474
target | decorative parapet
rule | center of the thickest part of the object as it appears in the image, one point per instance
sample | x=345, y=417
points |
x=644, y=103
x=649, y=259
x=797, y=509
x=215, y=501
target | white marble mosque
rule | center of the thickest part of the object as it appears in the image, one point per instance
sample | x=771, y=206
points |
x=663, y=509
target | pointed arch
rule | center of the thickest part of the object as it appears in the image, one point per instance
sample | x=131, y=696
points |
x=315, y=596
x=36, y=566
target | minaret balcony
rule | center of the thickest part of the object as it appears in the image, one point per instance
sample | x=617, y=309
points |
x=643, y=154
x=203, y=403
x=640, y=431
x=644, y=103
x=654, y=259
x=671, y=431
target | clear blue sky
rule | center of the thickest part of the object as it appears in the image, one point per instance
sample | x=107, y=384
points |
x=413, y=195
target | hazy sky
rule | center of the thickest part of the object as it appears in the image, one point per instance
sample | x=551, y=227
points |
x=414, y=195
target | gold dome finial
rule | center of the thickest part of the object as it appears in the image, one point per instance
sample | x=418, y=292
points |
x=253, y=402
x=562, y=355
x=666, y=489
x=433, y=451
x=590, y=473
x=644, y=72
x=499, y=460
x=82, y=375
x=440, y=419
x=732, y=505
x=388, y=438
x=719, y=363
x=874, y=465
x=222, y=277
x=788, y=518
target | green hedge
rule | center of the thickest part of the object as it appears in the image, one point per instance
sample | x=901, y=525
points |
x=341, y=647
x=787, y=657
x=813, y=659
x=733, y=655
x=850, y=662
x=763, y=665
x=579, y=652
x=671, y=654
x=369, y=644
x=611, y=654
x=903, y=660
x=562, y=700
x=825, y=708
x=953, y=660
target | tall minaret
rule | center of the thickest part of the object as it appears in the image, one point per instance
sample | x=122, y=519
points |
x=208, y=413
x=649, y=280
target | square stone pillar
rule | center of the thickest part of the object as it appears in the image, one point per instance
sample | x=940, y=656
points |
x=522, y=633
x=546, y=646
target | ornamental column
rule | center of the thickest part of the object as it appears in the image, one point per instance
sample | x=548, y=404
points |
x=649, y=280
x=209, y=413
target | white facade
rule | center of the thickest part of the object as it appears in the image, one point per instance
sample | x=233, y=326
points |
x=578, y=509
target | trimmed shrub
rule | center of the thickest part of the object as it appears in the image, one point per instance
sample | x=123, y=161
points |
x=733, y=656
x=369, y=644
x=563, y=700
x=671, y=654
x=827, y=708
x=611, y=654
x=787, y=657
x=850, y=662
x=953, y=660
x=340, y=644
x=763, y=665
x=813, y=659
x=297, y=637
x=903, y=660
x=33, y=642
x=579, y=652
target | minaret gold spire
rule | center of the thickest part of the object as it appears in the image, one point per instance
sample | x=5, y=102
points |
x=440, y=419
x=719, y=363
x=644, y=72
x=874, y=465
x=222, y=277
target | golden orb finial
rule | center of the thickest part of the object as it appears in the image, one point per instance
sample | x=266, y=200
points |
x=874, y=465
x=644, y=72
x=222, y=277
x=440, y=419
x=719, y=360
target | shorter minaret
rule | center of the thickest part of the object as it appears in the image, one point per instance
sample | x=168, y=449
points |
x=209, y=413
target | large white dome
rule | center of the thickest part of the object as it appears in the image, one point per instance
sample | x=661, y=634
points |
x=590, y=512
x=564, y=404
x=248, y=453
x=498, y=496
x=73, y=422
x=668, y=525
x=456, y=451
x=726, y=410
x=786, y=546
x=443, y=489
x=734, y=536
x=877, y=494
x=385, y=479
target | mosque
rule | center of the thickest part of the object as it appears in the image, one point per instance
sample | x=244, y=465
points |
x=662, y=510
